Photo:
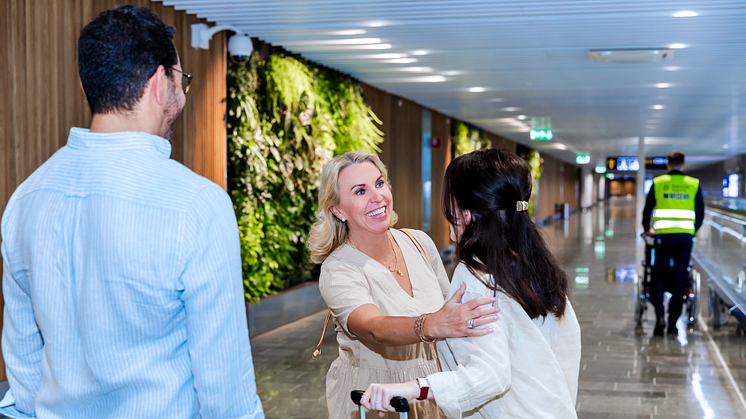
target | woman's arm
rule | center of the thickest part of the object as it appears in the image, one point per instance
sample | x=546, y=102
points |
x=368, y=323
x=483, y=374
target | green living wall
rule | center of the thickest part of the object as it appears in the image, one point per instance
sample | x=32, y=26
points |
x=466, y=138
x=286, y=118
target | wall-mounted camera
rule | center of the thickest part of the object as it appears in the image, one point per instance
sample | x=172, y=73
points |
x=239, y=45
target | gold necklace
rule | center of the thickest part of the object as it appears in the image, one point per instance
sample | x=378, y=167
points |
x=396, y=258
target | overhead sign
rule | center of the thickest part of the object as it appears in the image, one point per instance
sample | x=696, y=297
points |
x=582, y=159
x=600, y=169
x=541, y=134
x=632, y=164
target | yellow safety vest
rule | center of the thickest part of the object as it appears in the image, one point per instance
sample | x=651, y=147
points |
x=674, y=204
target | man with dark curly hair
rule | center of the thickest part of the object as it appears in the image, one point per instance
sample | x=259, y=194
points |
x=121, y=267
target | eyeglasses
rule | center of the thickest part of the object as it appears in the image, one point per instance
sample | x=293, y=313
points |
x=188, y=80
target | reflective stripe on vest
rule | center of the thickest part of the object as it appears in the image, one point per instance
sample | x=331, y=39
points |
x=667, y=224
x=674, y=204
x=674, y=213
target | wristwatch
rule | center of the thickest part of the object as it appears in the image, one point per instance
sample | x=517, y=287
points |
x=424, y=388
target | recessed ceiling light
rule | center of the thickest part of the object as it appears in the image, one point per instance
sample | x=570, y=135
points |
x=377, y=24
x=428, y=79
x=420, y=52
x=657, y=107
x=685, y=13
x=663, y=85
x=725, y=146
x=401, y=61
x=511, y=109
x=454, y=73
x=349, y=32
x=477, y=89
x=348, y=41
x=374, y=46
x=521, y=117
x=560, y=146
x=671, y=68
x=677, y=46
x=382, y=56
x=496, y=99
x=415, y=69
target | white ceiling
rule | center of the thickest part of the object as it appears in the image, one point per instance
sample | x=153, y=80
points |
x=531, y=55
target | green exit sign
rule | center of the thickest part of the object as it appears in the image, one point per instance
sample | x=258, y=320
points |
x=582, y=159
x=541, y=134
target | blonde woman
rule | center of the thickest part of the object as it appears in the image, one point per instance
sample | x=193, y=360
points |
x=384, y=287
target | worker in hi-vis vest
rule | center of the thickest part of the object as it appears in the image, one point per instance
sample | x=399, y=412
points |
x=679, y=212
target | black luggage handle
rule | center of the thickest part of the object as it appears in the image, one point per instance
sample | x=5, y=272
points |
x=400, y=404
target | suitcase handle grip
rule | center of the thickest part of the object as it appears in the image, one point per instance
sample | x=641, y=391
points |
x=399, y=404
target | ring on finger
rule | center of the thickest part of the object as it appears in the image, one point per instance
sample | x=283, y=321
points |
x=470, y=324
x=377, y=402
x=365, y=396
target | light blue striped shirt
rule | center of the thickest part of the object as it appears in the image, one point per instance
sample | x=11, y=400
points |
x=123, y=290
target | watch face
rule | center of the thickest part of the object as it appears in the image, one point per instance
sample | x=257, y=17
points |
x=422, y=382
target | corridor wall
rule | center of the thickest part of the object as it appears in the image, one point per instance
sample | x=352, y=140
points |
x=559, y=182
x=40, y=96
x=711, y=176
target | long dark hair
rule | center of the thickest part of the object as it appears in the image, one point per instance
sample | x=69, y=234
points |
x=499, y=240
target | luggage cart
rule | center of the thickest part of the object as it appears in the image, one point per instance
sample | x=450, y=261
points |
x=400, y=404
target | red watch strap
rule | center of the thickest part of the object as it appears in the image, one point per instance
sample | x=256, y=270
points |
x=423, y=392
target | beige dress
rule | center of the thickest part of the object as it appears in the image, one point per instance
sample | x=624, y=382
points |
x=350, y=279
x=528, y=368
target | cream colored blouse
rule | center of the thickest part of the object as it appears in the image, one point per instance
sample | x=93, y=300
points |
x=525, y=369
x=350, y=279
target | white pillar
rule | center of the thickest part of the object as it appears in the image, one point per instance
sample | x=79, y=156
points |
x=640, y=183
x=601, y=188
x=586, y=194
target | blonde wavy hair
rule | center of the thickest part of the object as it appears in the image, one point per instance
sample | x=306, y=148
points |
x=329, y=232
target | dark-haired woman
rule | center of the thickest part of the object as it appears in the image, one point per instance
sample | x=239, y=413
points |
x=529, y=367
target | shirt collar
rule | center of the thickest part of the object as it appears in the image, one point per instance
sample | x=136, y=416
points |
x=82, y=138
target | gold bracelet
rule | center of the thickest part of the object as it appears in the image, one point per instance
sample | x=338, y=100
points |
x=418, y=328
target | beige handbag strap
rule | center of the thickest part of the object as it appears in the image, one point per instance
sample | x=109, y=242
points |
x=418, y=245
x=420, y=248
x=317, y=351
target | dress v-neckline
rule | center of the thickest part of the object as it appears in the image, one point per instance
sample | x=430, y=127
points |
x=391, y=274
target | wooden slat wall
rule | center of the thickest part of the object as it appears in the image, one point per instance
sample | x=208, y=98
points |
x=40, y=97
x=440, y=158
x=498, y=141
x=549, y=186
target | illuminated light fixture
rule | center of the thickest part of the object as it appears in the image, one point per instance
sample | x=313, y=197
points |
x=511, y=109
x=582, y=159
x=382, y=56
x=454, y=73
x=725, y=146
x=415, y=69
x=350, y=32
x=582, y=280
x=663, y=85
x=401, y=61
x=420, y=52
x=541, y=135
x=477, y=89
x=686, y=13
x=428, y=79
x=658, y=107
x=671, y=68
x=350, y=41
x=496, y=99
x=677, y=46
x=560, y=146
x=521, y=117
x=633, y=55
x=373, y=46
x=600, y=169
x=376, y=24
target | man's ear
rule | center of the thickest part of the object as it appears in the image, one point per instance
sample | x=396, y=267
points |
x=158, y=85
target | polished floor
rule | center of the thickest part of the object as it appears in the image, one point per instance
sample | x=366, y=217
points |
x=625, y=372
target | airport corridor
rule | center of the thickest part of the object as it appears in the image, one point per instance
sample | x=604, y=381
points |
x=626, y=373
